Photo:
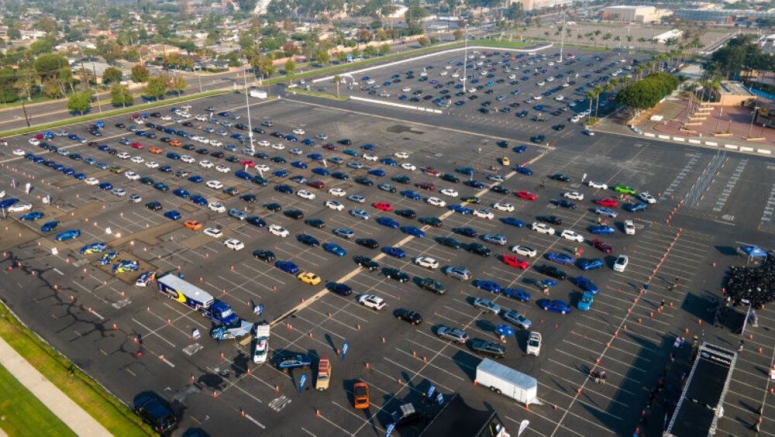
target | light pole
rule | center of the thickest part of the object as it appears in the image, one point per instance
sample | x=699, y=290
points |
x=247, y=105
x=465, y=57
x=753, y=117
x=562, y=38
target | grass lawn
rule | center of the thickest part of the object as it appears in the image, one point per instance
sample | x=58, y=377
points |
x=320, y=94
x=23, y=414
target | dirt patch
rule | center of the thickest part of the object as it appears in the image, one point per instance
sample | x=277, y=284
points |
x=196, y=241
x=128, y=277
x=15, y=234
x=149, y=236
x=400, y=129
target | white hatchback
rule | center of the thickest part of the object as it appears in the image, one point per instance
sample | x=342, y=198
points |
x=213, y=232
x=542, y=228
x=278, y=230
x=234, y=244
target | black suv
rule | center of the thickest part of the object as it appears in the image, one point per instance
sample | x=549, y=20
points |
x=155, y=412
x=478, y=249
x=433, y=285
x=488, y=348
x=366, y=262
x=367, y=242
x=551, y=219
x=552, y=271
x=396, y=274
x=410, y=316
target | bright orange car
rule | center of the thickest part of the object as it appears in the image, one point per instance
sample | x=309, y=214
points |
x=155, y=150
x=175, y=143
x=361, y=395
x=193, y=225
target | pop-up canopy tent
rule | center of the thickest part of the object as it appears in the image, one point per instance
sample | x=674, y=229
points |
x=753, y=252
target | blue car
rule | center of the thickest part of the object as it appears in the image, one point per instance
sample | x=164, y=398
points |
x=377, y=172
x=524, y=170
x=125, y=266
x=49, y=226
x=634, y=207
x=513, y=222
x=299, y=164
x=461, y=209
x=585, y=284
x=172, y=215
x=409, y=194
x=488, y=286
x=560, y=258
x=307, y=142
x=556, y=306
x=316, y=157
x=608, y=212
x=79, y=176
x=32, y=216
x=280, y=173
x=520, y=149
x=390, y=161
x=242, y=174
x=106, y=258
x=196, y=179
x=413, y=231
x=93, y=248
x=369, y=147
x=351, y=152
x=517, y=293
x=395, y=252
x=602, y=230
x=590, y=264
x=474, y=184
x=388, y=222
x=320, y=171
x=199, y=200
x=585, y=302
x=161, y=186
x=334, y=248
x=8, y=202
x=106, y=186
x=68, y=235
x=287, y=267
x=468, y=171
x=180, y=192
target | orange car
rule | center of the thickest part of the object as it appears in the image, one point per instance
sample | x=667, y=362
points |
x=193, y=225
x=155, y=150
x=361, y=395
x=175, y=143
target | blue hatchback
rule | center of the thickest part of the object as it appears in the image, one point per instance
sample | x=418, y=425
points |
x=199, y=200
x=320, y=171
x=395, y=252
x=602, y=230
x=388, y=222
x=172, y=215
x=585, y=284
x=634, y=207
x=377, y=172
x=334, y=248
x=524, y=170
x=299, y=164
x=590, y=264
x=413, y=231
x=409, y=194
x=560, y=258
x=513, y=222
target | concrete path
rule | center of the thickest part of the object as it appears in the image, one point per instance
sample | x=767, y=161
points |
x=62, y=406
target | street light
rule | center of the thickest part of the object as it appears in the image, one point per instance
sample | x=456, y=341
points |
x=247, y=105
x=753, y=117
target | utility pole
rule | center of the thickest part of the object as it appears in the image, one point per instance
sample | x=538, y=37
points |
x=753, y=117
x=247, y=105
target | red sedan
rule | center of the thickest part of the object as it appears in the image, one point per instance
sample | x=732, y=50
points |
x=527, y=195
x=513, y=261
x=383, y=206
x=431, y=171
x=316, y=184
x=248, y=164
x=610, y=202
x=602, y=246
x=330, y=147
x=137, y=146
x=426, y=186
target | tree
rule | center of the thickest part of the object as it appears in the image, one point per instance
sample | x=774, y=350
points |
x=290, y=69
x=384, y=49
x=263, y=65
x=177, y=83
x=140, y=74
x=49, y=66
x=323, y=57
x=8, y=80
x=414, y=19
x=155, y=87
x=515, y=12
x=120, y=95
x=423, y=41
x=458, y=34
x=646, y=93
x=341, y=56
x=112, y=74
x=370, y=51
x=79, y=102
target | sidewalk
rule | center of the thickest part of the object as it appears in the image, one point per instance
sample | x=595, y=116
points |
x=68, y=411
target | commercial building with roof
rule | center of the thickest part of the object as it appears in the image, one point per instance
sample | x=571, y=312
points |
x=634, y=14
x=722, y=16
x=663, y=37
x=531, y=5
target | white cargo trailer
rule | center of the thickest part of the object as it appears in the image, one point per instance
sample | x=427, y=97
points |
x=507, y=381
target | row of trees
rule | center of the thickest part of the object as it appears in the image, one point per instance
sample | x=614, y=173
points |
x=741, y=54
x=646, y=93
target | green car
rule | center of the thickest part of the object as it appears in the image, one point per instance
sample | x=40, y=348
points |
x=624, y=189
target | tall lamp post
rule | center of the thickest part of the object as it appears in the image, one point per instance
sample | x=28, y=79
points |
x=753, y=117
x=247, y=105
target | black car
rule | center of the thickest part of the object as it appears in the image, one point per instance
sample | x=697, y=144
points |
x=285, y=189
x=156, y=412
x=558, y=127
x=551, y=219
x=339, y=175
x=279, y=160
x=560, y=177
x=433, y=285
x=339, y=288
x=431, y=221
x=552, y=271
x=488, y=348
x=274, y=207
x=450, y=178
x=364, y=181
x=261, y=155
x=366, y=262
x=474, y=184
x=120, y=125
x=564, y=203
x=315, y=223
x=188, y=147
x=256, y=221
x=502, y=144
x=538, y=139
x=396, y=274
x=233, y=159
x=294, y=214
x=448, y=242
x=231, y=191
x=259, y=130
x=407, y=213
x=478, y=249
x=202, y=151
x=345, y=142
x=466, y=231
x=401, y=179
x=367, y=242
x=147, y=180
x=387, y=187
x=410, y=316
x=153, y=206
x=165, y=169
x=499, y=189
x=264, y=255
x=217, y=154
x=309, y=240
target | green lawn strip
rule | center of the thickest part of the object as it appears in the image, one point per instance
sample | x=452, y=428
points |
x=23, y=414
x=314, y=93
x=144, y=107
x=116, y=417
x=501, y=44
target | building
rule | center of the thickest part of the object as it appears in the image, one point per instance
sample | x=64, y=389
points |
x=734, y=94
x=730, y=17
x=532, y=5
x=670, y=34
x=634, y=14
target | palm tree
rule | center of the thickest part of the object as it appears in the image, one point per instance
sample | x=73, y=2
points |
x=638, y=70
x=641, y=40
x=592, y=95
x=605, y=89
x=337, y=80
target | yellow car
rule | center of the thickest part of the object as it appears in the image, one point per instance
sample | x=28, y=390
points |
x=505, y=161
x=309, y=278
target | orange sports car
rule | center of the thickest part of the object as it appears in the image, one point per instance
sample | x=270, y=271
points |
x=155, y=150
x=175, y=143
x=193, y=225
x=361, y=395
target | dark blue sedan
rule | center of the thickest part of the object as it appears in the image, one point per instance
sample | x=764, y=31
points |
x=474, y=184
x=49, y=226
x=461, y=209
x=320, y=171
x=395, y=252
x=196, y=179
x=335, y=249
x=299, y=164
x=560, y=258
x=388, y=222
x=517, y=293
x=180, y=192
x=590, y=264
x=32, y=216
x=242, y=174
x=287, y=267
x=524, y=170
x=390, y=161
x=172, y=215
x=585, y=284
x=199, y=200
x=413, y=231
x=634, y=207
x=409, y=194
x=556, y=306
x=377, y=172
x=106, y=186
x=488, y=286
x=520, y=149
x=513, y=222
x=602, y=230
x=280, y=173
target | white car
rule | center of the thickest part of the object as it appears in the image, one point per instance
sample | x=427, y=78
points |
x=427, y=262
x=124, y=155
x=264, y=143
x=2, y=194
x=503, y=207
x=206, y=164
x=132, y=176
x=483, y=213
x=222, y=168
x=216, y=143
x=34, y=141
x=187, y=159
x=646, y=197
x=135, y=198
x=20, y=207
x=278, y=230
x=278, y=146
x=575, y=195
x=296, y=151
x=234, y=244
x=261, y=167
x=152, y=164
x=435, y=201
x=629, y=227
x=304, y=194
x=542, y=228
x=526, y=251
x=598, y=185
x=120, y=192
x=217, y=207
x=18, y=152
x=372, y=301
x=409, y=166
x=213, y=232
x=215, y=185
x=534, y=344
x=401, y=155
x=166, y=117
x=138, y=160
x=337, y=192
x=333, y=204
x=449, y=192
x=91, y=181
x=370, y=157
x=621, y=263
x=559, y=98
x=299, y=131
x=572, y=235
x=406, y=89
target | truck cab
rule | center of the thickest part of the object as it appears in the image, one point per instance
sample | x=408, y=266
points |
x=259, y=347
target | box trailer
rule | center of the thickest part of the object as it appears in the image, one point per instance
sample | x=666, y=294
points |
x=507, y=381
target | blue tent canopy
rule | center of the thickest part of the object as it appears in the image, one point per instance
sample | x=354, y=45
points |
x=753, y=251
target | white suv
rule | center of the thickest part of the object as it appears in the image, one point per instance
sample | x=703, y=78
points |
x=621, y=263
x=372, y=301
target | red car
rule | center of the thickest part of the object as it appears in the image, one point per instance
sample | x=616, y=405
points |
x=137, y=146
x=316, y=184
x=610, y=202
x=426, y=186
x=383, y=206
x=527, y=195
x=431, y=171
x=331, y=147
x=249, y=164
x=513, y=261
x=602, y=246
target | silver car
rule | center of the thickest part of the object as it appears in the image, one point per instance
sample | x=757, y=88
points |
x=487, y=305
x=461, y=273
x=453, y=334
x=517, y=319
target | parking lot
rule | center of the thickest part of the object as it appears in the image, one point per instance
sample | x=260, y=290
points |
x=101, y=320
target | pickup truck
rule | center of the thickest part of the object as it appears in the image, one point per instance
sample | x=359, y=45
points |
x=324, y=374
